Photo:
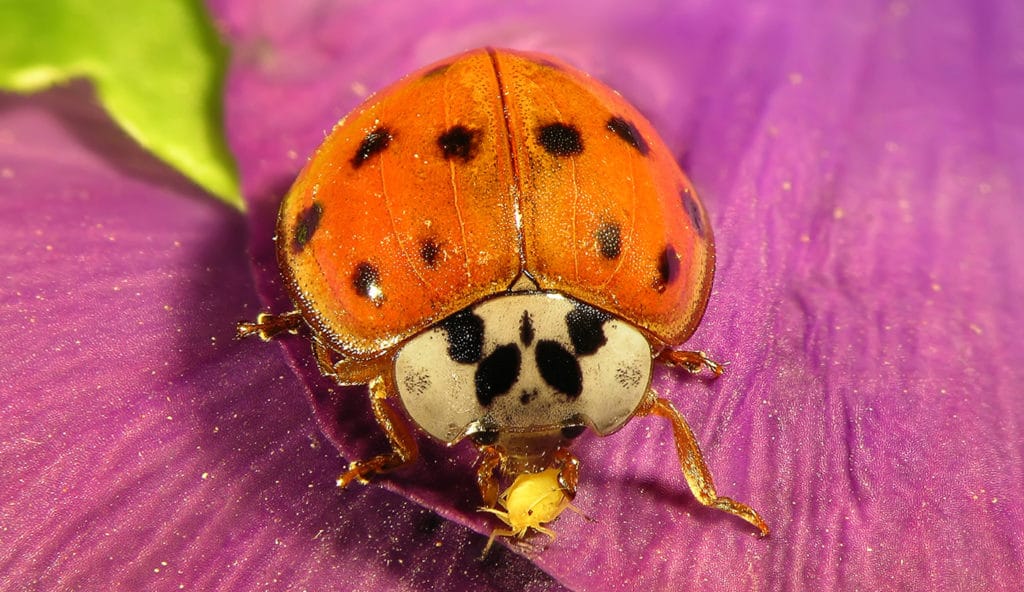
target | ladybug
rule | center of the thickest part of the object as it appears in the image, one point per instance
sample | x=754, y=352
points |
x=501, y=248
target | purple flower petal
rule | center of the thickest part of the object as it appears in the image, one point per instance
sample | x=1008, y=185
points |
x=860, y=167
x=143, y=447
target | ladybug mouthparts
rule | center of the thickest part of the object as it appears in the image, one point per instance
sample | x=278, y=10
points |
x=524, y=371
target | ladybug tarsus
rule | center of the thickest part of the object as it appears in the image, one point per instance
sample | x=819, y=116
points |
x=269, y=326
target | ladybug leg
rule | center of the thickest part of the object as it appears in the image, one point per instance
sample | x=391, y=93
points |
x=698, y=477
x=269, y=326
x=491, y=457
x=568, y=470
x=324, y=360
x=403, y=444
x=691, y=361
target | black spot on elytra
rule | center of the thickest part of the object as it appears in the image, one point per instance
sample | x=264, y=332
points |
x=629, y=134
x=527, y=397
x=497, y=373
x=692, y=210
x=586, y=328
x=306, y=224
x=559, y=368
x=560, y=139
x=668, y=268
x=465, y=337
x=526, y=331
x=373, y=143
x=459, y=142
x=366, y=282
x=429, y=252
x=609, y=240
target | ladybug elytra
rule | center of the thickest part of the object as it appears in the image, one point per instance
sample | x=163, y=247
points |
x=501, y=248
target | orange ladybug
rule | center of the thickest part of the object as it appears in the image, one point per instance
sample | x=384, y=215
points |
x=501, y=248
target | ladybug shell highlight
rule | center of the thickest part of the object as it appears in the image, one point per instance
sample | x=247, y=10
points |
x=464, y=177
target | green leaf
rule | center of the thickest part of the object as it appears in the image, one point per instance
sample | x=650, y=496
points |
x=158, y=68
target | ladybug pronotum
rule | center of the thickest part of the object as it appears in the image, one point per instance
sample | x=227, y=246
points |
x=501, y=248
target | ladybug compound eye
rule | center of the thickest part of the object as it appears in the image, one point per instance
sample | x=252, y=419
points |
x=574, y=429
x=525, y=365
x=483, y=436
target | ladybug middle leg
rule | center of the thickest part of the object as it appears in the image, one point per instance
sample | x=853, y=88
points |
x=348, y=372
x=403, y=443
x=698, y=477
x=376, y=375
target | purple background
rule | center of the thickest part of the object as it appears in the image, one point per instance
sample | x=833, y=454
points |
x=862, y=168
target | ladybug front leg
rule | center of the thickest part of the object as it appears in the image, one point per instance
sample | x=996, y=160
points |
x=400, y=436
x=491, y=457
x=698, y=477
x=269, y=326
x=568, y=470
x=691, y=361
